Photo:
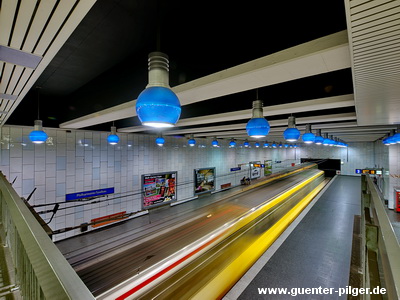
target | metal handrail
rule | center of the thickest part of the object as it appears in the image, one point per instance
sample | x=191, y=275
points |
x=42, y=271
x=388, y=248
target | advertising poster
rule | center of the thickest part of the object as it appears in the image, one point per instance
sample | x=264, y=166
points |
x=204, y=180
x=255, y=169
x=158, y=189
x=268, y=167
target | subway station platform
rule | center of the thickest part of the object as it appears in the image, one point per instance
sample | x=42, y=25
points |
x=315, y=254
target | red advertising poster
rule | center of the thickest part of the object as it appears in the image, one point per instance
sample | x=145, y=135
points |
x=158, y=189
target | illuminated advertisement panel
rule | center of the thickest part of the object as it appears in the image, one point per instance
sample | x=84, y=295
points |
x=255, y=169
x=158, y=189
x=204, y=180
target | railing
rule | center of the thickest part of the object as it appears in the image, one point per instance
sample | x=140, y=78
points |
x=41, y=270
x=381, y=250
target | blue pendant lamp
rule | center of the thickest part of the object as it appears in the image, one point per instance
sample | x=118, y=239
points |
x=308, y=137
x=258, y=126
x=246, y=144
x=214, y=143
x=291, y=134
x=157, y=105
x=266, y=144
x=318, y=138
x=160, y=141
x=326, y=141
x=191, y=141
x=38, y=136
x=113, y=138
x=232, y=143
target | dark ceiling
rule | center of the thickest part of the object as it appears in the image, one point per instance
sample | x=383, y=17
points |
x=104, y=62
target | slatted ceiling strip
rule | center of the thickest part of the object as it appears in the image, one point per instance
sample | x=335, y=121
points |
x=41, y=17
x=376, y=43
x=382, y=15
x=376, y=58
x=368, y=5
x=63, y=10
x=15, y=78
x=381, y=78
x=392, y=32
x=378, y=66
x=374, y=9
x=3, y=105
x=379, y=45
x=368, y=55
x=8, y=69
x=7, y=12
x=24, y=17
x=387, y=48
x=24, y=79
x=381, y=24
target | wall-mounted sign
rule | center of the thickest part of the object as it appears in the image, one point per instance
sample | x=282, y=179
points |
x=158, y=189
x=204, y=180
x=236, y=169
x=368, y=171
x=89, y=194
x=255, y=169
x=268, y=167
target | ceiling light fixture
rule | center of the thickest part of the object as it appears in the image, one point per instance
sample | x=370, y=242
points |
x=291, y=134
x=113, y=138
x=232, y=143
x=160, y=141
x=246, y=144
x=157, y=105
x=257, y=126
x=318, y=138
x=214, y=143
x=308, y=137
x=191, y=141
x=38, y=136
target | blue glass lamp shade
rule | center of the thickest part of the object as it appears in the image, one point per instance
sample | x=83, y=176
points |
x=319, y=140
x=396, y=137
x=113, y=139
x=257, y=145
x=246, y=144
x=266, y=144
x=160, y=141
x=308, y=138
x=158, y=106
x=232, y=144
x=38, y=136
x=273, y=145
x=257, y=128
x=191, y=142
x=214, y=143
x=291, y=134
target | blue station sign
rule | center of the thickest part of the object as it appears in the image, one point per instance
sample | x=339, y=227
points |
x=236, y=169
x=87, y=194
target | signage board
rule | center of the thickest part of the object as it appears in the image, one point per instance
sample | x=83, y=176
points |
x=204, y=180
x=236, y=169
x=158, y=189
x=255, y=169
x=89, y=194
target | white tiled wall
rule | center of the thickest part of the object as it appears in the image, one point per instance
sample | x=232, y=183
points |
x=77, y=161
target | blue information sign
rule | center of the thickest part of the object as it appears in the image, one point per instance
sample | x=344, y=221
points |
x=236, y=169
x=87, y=194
